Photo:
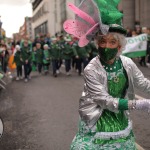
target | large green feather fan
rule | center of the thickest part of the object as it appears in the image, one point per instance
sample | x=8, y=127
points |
x=108, y=11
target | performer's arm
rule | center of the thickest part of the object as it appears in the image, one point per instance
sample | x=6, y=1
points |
x=97, y=98
x=139, y=80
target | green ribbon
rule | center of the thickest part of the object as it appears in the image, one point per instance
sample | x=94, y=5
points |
x=123, y=104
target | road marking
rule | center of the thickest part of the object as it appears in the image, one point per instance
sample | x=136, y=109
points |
x=139, y=97
x=139, y=147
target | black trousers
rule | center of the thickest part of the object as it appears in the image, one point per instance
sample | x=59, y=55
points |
x=27, y=69
x=148, y=59
x=4, y=67
x=74, y=63
x=68, y=65
x=40, y=66
x=55, y=65
x=81, y=61
x=19, y=71
x=46, y=66
x=143, y=61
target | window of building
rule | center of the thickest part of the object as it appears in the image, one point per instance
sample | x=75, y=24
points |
x=43, y=28
x=35, y=4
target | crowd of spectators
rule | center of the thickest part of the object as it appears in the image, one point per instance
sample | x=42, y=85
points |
x=46, y=51
x=143, y=61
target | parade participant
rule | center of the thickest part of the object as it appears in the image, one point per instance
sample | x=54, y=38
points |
x=82, y=57
x=93, y=53
x=134, y=33
x=109, y=80
x=46, y=58
x=67, y=54
x=4, y=57
x=48, y=39
x=34, y=61
x=36, y=40
x=42, y=41
x=18, y=61
x=61, y=43
x=11, y=65
x=39, y=57
x=29, y=43
x=74, y=45
x=148, y=45
x=142, y=62
x=55, y=55
x=26, y=57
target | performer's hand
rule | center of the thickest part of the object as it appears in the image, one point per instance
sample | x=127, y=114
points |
x=143, y=104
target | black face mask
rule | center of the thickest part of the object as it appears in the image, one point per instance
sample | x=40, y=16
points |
x=107, y=54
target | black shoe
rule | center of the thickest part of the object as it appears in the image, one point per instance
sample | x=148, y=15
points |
x=140, y=63
x=46, y=72
x=145, y=65
x=55, y=75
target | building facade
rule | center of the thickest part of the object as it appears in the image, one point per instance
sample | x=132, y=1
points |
x=49, y=15
x=28, y=22
x=16, y=37
x=136, y=13
x=26, y=29
x=41, y=16
x=22, y=31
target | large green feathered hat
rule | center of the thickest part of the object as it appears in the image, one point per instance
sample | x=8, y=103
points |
x=92, y=17
x=110, y=15
x=109, y=12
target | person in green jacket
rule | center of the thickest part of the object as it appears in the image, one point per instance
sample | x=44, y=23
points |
x=19, y=62
x=39, y=57
x=46, y=58
x=26, y=57
x=55, y=55
x=67, y=55
x=74, y=58
x=34, y=61
x=29, y=43
x=94, y=51
x=4, y=57
x=82, y=57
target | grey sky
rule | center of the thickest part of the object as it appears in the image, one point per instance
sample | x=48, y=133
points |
x=14, y=2
x=12, y=14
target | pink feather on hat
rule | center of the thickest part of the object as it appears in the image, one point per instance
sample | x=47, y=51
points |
x=83, y=26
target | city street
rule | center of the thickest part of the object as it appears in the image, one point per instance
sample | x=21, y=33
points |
x=39, y=106
x=43, y=113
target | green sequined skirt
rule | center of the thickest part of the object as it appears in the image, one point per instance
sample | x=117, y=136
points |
x=86, y=143
x=85, y=140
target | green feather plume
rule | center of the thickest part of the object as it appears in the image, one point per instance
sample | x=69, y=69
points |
x=109, y=12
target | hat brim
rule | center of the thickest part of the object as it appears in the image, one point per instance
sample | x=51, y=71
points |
x=118, y=29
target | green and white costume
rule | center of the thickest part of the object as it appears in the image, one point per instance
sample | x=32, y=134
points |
x=109, y=89
x=102, y=135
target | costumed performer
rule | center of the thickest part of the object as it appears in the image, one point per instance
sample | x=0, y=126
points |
x=110, y=79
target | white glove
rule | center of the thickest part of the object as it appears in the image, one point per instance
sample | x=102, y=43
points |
x=140, y=104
